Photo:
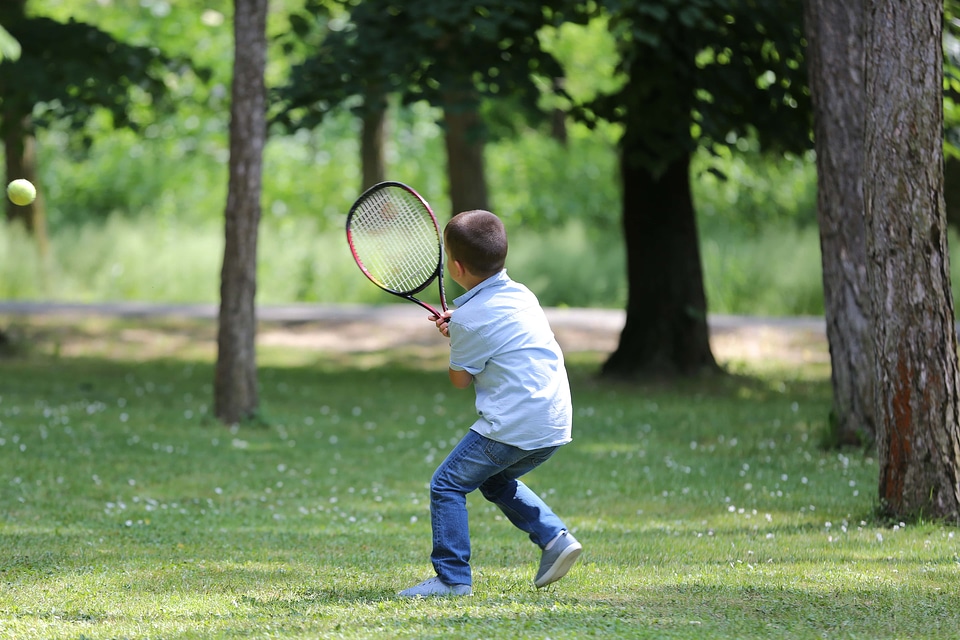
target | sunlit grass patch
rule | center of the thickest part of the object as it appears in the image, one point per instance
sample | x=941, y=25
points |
x=706, y=509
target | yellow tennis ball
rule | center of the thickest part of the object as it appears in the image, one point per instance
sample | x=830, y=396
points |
x=21, y=192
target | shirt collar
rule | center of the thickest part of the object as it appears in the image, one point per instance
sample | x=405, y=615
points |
x=496, y=279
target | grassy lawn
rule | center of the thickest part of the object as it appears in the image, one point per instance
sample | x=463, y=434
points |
x=705, y=510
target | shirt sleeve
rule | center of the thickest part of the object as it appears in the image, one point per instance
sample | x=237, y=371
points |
x=468, y=351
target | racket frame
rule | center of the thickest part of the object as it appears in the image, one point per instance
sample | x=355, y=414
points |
x=438, y=272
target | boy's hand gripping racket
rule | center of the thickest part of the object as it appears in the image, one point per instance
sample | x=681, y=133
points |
x=396, y=241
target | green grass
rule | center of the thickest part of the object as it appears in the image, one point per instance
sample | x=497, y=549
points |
x=773, y=273
x=706, y=509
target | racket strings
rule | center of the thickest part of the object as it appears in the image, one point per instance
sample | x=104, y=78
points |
x=396, y=240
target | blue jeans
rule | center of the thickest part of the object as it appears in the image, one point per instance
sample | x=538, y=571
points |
x=478, y=462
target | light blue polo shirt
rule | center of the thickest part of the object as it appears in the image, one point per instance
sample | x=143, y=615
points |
x=500, y=335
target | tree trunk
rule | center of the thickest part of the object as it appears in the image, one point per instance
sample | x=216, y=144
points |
x=666, y=331
x=908, y=273
x=371, y=143
x=235, y=386
x=20, y=147
x=20, y=152
x=836, y=63
x=465, y=140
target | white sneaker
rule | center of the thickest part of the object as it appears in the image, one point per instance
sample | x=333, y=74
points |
x=436, y=587
x=556, y=561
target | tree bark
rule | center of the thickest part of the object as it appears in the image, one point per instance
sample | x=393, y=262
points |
x=666, y=331
x=835, y=50
x=20, y=150
x=371, y=142
x=465, y=141
x=235, y=386
x=915, y=339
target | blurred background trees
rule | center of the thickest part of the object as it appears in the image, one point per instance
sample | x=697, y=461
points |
x=652, y=155
x=123, y=205
x=65, y=74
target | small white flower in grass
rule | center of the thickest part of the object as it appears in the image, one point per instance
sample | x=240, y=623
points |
x=218, y=491
x=879, y=537
x=413, y=519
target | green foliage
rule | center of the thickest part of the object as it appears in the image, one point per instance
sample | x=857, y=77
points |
x=450, y=54
x=706, y=510
x=68, y=72
x=704, y=74
x=951, y=78
x=560, y=205
x=750, y=192
x=9, y=47
x=776, y=273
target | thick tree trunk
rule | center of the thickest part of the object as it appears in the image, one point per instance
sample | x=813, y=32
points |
x=371, y=143
x=465, y=140
x=909, y=276
x=235, y=387
x=836, y=61
x=666, y=331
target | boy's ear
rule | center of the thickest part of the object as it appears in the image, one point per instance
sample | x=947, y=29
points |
x=459, y=269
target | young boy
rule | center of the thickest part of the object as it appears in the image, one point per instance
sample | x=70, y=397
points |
x=501, y=342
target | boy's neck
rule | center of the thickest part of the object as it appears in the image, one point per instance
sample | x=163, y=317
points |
x=469, y=281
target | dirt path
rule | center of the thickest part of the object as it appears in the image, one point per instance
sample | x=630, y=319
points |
x=160, y=329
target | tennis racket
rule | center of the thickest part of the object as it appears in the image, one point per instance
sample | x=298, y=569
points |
x=396, y=241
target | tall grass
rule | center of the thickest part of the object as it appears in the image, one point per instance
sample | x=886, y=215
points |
x=125, y=226
x=776, y=272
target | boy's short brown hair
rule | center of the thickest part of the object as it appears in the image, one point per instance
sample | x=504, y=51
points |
x=478, y=240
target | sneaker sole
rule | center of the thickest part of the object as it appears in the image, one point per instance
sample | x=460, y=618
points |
x=560, y=568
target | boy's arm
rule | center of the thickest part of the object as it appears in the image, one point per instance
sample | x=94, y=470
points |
x=460, y=378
